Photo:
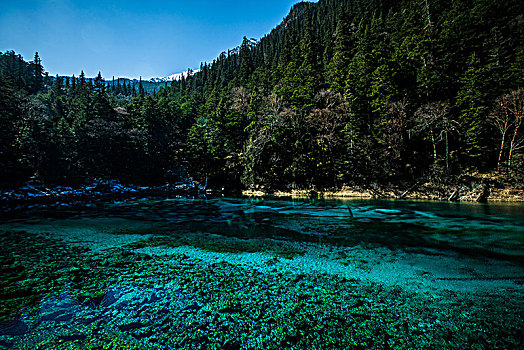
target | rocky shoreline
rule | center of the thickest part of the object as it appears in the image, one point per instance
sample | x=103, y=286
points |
x=497, y=195
x=36, y=194
x=475, y=188
x=427, y=191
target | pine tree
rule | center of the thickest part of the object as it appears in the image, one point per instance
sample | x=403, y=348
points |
x=118, y=89
x=246, y=62
x=58, y=85
x=38, y=74
x=82, y=79
x=140, y=88
x=472, y=100
x=99, y=87
x=73, y=83
x=338, y=66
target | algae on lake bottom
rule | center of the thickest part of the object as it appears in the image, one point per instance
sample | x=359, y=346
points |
x=159, y=288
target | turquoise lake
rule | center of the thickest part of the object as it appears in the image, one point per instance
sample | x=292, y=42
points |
x=262, y=273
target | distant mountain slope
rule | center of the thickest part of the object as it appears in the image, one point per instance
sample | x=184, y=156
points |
x=175, y=76
x=252, y=42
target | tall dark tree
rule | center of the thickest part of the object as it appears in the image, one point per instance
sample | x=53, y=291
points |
x=38, y=74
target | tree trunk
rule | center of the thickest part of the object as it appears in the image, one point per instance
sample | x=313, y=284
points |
x=434, y=146
x=429, y=17
x=501, y=150
x=447, y=152
x=512, y=144
x=511, y=152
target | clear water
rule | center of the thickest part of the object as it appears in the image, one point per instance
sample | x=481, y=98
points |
x=82, y=276
x=494, y=230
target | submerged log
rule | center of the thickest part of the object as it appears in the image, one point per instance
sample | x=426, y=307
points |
x=350, y=211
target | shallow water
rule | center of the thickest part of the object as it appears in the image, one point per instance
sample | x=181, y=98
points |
x=135, y=273
x=494, y=230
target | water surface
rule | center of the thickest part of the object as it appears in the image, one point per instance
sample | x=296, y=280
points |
x=187, y=272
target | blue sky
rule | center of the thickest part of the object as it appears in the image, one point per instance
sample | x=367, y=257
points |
x=130, y=38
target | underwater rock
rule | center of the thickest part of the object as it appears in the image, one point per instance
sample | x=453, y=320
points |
x=142, y=335
x=14, y=328
x=131, y=326
x=193, y=307
x=87, y=320
x=108, y=299
x=231, y=309
x=57, y=316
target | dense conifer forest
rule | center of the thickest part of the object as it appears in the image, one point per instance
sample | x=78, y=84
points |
x=342, y=92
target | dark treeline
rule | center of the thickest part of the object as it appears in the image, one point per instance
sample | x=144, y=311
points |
x=342, y=92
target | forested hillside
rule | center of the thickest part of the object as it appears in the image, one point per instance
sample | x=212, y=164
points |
x=342, y=92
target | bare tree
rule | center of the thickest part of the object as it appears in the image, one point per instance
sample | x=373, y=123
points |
x=502, y=120
x=516, y=108
x=394, y=124
x=274, y=104
x=434, y=117
x=507, y=117
x=240, y=98
x=328, y=117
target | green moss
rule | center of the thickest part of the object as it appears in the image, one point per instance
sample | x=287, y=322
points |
x=222, y=244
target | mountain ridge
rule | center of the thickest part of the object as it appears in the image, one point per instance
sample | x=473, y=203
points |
x=251, y=42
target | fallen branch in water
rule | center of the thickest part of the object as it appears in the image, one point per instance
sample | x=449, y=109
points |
x=350, y=211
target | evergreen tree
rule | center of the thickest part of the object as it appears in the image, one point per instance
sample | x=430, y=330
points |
x=82, y=79
x=140, y=88
x=338, y=66
x=99, y=86
x=73, y=83
x=38, y=74
x=246, y=63
x=472, y=100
